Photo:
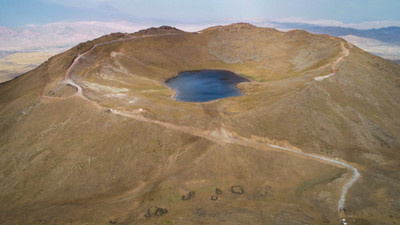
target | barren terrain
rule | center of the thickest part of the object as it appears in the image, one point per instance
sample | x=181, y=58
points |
x=18, y=63
x=93, y=136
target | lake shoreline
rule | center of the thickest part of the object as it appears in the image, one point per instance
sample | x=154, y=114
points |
x=200, y=86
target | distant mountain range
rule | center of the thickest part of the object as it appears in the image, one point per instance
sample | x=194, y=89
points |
x=384, y=42
x=387, y=34
x=396, y=61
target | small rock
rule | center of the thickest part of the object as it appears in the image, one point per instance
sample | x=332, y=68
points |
x=189, y=196
x=237, y=189
x=155, y=211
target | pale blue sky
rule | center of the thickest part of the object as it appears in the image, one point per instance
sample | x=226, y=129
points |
x=22, y=12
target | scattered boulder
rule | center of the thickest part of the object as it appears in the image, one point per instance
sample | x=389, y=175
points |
x=214, y=198
x=113, y=221
x=155, y=211
x=189, y=196
x=266, y=191
x=218, y=191
x=237, y=189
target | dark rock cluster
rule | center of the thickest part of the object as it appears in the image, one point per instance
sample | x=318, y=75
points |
x=189, y=196
x=155, y=211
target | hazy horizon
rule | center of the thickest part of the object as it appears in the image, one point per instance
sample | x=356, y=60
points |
x=364, y=14
x=54, y=25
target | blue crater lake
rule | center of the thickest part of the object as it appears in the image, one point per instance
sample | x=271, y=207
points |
x=205, y=85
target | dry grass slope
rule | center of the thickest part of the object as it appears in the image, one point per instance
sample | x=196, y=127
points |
x=65, y=159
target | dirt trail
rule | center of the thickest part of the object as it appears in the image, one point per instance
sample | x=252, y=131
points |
x=218, y=136
x=334, y=66
x=225, y=138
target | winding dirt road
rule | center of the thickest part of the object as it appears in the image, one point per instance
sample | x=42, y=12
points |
x=221, y=135
x=334, y=66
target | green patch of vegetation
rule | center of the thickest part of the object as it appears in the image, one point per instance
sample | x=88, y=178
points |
x=359, y=221
x=309, y=184
x=168, y=222
x=280, y=196
x=174, y=197
x=249, y=77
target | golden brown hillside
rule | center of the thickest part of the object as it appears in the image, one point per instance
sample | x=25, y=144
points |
x=93, y=136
